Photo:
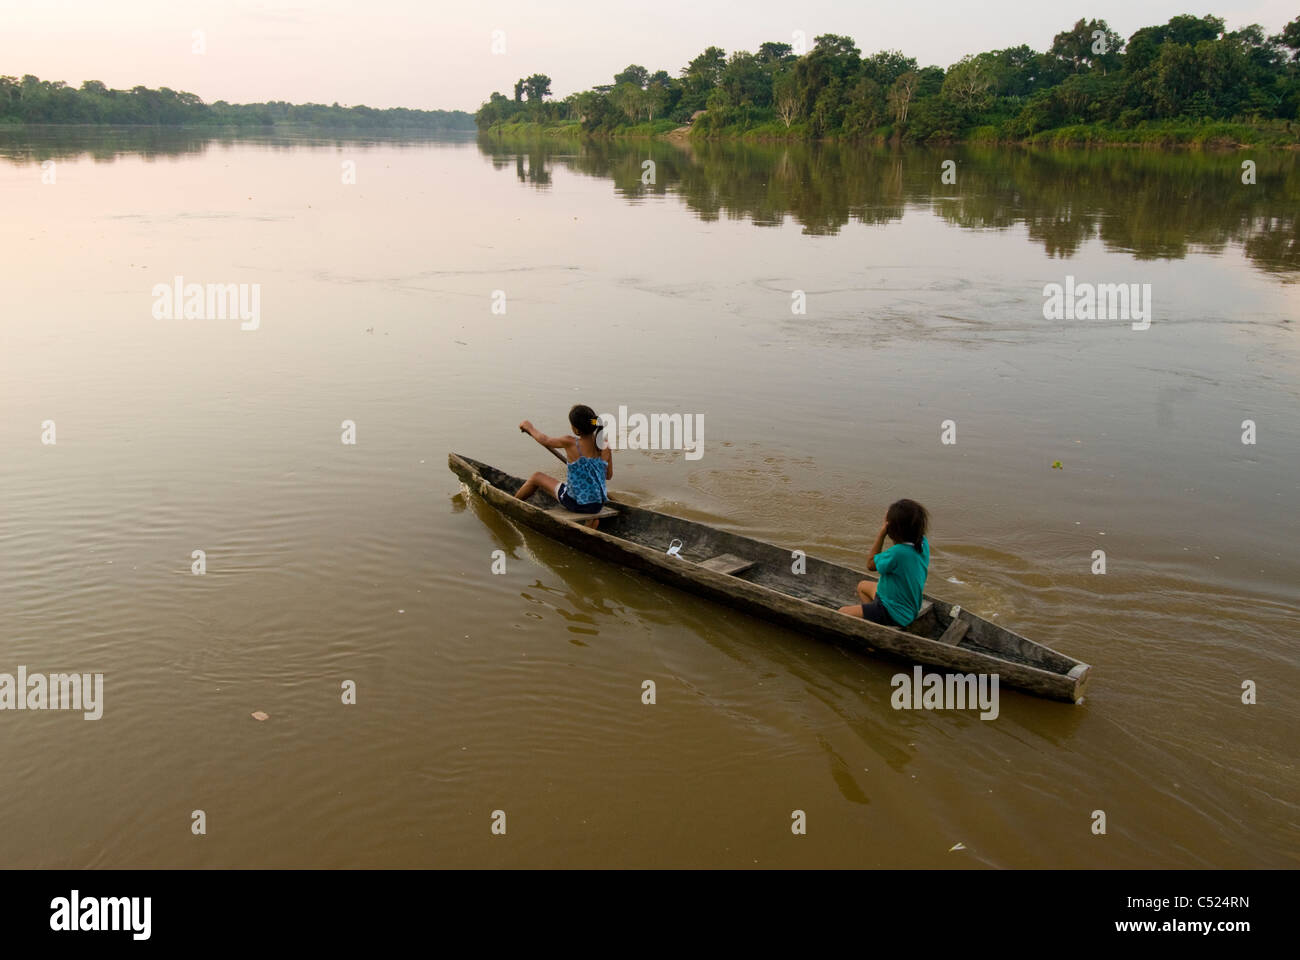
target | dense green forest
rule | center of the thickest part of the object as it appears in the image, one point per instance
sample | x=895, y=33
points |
x=33, y=100
x=1091, y=82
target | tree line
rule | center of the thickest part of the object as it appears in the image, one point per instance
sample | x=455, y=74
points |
x=32, y=100
x=1189, y=69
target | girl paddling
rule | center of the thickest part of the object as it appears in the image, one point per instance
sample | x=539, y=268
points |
x=591, y=464
x=895, y=599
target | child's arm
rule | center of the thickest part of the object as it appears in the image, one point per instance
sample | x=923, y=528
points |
x=875, y=549
x=559, y=443
x=608, y=456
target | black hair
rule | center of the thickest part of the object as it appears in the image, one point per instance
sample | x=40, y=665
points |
x=906, y=522
x=585, y=423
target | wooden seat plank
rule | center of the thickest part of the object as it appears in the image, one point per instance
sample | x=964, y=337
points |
x=561, y=514
x=727, y=563
x=955, y=632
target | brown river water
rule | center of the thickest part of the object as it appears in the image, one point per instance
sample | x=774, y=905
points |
x=329, y=562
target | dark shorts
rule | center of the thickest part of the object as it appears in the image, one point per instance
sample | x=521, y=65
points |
x=568, y=503
x=875, y=612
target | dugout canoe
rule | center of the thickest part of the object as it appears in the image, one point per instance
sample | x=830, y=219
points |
x=757, y=578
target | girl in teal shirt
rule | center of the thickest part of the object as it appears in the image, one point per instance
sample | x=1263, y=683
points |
x=895, y=599
x=590, y=464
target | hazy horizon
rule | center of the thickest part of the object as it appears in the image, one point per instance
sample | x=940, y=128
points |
x=400, y=53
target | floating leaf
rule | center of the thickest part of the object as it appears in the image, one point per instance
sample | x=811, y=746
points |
x=259, y=715
x=1056, y=465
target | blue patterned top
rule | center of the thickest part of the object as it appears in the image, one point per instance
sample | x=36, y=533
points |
x=586, y=482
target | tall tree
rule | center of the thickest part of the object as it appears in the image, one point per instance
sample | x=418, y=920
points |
x=1089, y=43
x=628, y=98
x=636, y=75
x=864, y=107
x=969, y=81
x=887, y=66
x=786, y=98
x=775, y=52
x=656, y=99
x=1190, y=30
x=745, y=82
x=900, y=95
x=702, y=73
x=538, y=87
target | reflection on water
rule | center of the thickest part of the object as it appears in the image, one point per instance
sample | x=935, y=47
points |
x=36, y=143
x=1147, y=203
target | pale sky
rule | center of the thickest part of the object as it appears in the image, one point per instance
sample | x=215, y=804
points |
x=430, y=53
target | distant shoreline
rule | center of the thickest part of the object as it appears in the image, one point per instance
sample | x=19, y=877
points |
x=31, y=100
x=213, y=127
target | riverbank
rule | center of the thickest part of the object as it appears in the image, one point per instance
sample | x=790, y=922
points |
x=573, y=130
x=248, y=126
x=1217, y=135
x=32, y=100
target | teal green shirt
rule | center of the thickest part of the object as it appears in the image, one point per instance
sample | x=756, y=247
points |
x=902, y=579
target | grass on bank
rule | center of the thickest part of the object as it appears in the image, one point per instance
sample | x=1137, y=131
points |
x=1169, y=133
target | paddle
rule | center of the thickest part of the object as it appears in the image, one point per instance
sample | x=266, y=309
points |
x=554, y=452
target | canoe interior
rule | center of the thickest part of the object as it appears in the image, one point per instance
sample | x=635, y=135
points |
x=823, y=583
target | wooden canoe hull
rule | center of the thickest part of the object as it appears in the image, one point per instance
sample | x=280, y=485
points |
x=987, y=648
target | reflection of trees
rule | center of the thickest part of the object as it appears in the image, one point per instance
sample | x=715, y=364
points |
x=1151, y=204
x=532, y=169
x=27, y=144
x=104, y=144
x=1274, y=243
